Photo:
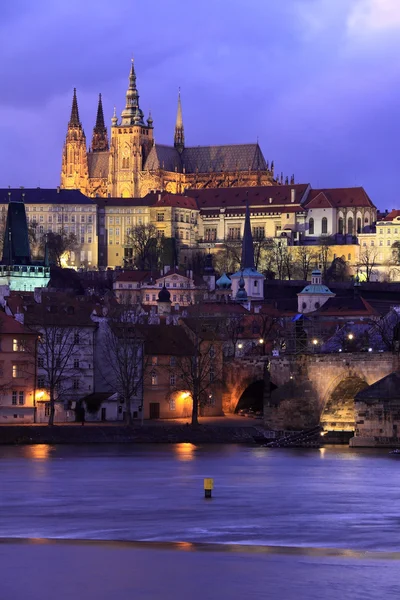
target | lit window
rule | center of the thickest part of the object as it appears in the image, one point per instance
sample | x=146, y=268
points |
x=18, y=346
x=154, y=360
x=16, y=371
x=154, y=379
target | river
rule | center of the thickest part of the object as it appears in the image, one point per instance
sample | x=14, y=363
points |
x=310, y=503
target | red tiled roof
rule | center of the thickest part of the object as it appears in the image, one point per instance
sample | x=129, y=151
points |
x=8, y=325
x=176, y=200
x=341, y=197
x=391, y=216
x=319, y=201
x=133, y=275
x=274, y=195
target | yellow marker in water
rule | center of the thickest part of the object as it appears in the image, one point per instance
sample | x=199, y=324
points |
x=208, y=487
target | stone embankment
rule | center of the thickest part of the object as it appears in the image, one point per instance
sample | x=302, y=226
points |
x=99, y=434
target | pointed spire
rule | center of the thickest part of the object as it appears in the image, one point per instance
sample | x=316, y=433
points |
x=132, y=115
x=179, y=137
x=74, y=120
x=114, y=119
x=100, y=138
x=247, y=244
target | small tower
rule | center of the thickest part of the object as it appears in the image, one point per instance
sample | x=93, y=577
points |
x=314, y=295
x=179, y=137
x=164, y=301
x=99, y=137
x=248, y=280
x=74, y=171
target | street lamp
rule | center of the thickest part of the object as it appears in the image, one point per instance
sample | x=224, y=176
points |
x=261, y=341
x=350, y=336
x=240, y=346
x=315, y=341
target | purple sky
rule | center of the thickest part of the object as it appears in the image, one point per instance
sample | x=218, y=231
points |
x=317, y=81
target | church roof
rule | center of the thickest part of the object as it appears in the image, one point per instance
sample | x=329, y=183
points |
x=338, y=197
x=98, y=164
x=316, y=289
x=207, y=159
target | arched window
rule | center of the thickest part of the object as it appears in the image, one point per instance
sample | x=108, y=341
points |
x=324, y=225
x=340, y=226
x=358, y=224
x=350, y=226
x=311, y=226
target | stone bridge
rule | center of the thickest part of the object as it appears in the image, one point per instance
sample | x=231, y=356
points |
x=320, y=388
x=238, y=374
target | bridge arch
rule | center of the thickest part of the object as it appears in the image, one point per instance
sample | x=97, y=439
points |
x=338, y=412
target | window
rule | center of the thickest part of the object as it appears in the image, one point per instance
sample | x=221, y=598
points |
x=154, y=378
x=211, y=376
x=358, y=224
x=372, y=243
x=172, y=379
x=349, y=256
x=350, y=226
x=388, y=242
x=311, y=226
x=340, y=226
x=18, y=346
x=172, y=405
x=154, y=360
x=76, y=363
x=82, y=218
x=256, y=284
x=47, y=409
x=75, y=384
x=16, y=371
x=234, y=233
x=41, y=382
x=210, y=234
x=258, y=233
x=212, y=352
x=21, y=398
x=90, y=219
x=76, y=338
x=40, y=363
x=14, y=398
x=324, y=225
x=172, y=361
x=160, y=217
x=147, y=296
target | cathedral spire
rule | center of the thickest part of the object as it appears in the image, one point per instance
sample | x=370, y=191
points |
x=99, y=138
x=179, y=137
x=247, y=244
x=132, y=115
x=74, y=120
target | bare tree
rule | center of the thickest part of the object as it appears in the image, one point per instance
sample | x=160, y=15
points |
x=201, y=372
x=145, y=245
x=367, y=261
x=324, y=254
x=57, y=245
x=267, y=329
x=123, y=356
x=305, y=259
x=228, y=258
x=233, y=327
x=58, y=353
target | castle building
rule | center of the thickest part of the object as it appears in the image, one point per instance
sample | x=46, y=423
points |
x=132, y=164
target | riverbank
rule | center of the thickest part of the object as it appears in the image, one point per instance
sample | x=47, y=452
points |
x=117, y=434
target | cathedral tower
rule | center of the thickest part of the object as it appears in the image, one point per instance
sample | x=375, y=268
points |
x=131, y=142
x=179, y=137
x=99, y=137
x=74, y=171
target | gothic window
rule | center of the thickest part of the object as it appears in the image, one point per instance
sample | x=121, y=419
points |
x=350, y=226
x=340, y=226
x=311, y=226
x=359, y=225
x=324, y=225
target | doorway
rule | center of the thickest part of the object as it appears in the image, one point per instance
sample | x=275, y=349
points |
x=154, y=410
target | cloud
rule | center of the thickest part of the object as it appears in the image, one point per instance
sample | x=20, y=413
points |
x=374, y=16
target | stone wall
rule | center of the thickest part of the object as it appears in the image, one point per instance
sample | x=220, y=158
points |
x=238, y=374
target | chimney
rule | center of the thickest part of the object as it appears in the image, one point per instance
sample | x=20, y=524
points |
x=292, y=195
x=159, y=196
x=270, y=200
x=58, y=189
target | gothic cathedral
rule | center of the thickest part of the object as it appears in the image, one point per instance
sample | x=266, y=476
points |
x=131, y=164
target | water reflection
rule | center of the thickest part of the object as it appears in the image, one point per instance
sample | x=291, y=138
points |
x=185, y=452
x=38, y=451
